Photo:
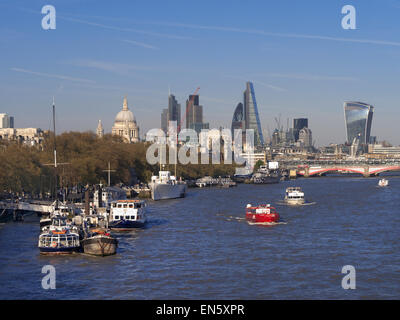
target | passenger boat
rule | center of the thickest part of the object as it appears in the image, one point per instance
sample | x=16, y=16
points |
x=127, y=214
x=99, y=242
x=59, y=238
x=383, y=182
x=294, y=195
x=261, y=214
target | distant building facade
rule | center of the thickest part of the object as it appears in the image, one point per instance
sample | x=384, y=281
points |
x=194, y=114
x=358, y=120
x=28, y=136
x=299, y=124
x=305, y=137
x=6, y=121
x=174, y=111
x=125, y=125
x=164, y=120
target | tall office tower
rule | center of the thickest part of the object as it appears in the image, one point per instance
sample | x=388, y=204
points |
x=194, y=114
x=164, y=120
x=305, y=137
x=299, y=124
x=6, y=121
x=252, y=119
x=358, y=119
x=238, y=121
x=174, y=110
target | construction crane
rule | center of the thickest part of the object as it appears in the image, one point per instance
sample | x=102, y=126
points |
x=187, y=108
x=278, y=122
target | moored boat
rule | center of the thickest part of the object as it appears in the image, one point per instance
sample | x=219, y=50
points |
x=127, y=214
x=164, y=186
x=261, y=214
x=99, y=242
x=59, y=238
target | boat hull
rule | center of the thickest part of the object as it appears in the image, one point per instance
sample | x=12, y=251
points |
x=168, y=191
x=125, y=225
x=57, y=251
x=100, y=245
x=262, y=218
x=294, y=201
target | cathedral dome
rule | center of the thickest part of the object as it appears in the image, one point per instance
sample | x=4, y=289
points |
x=125, y=114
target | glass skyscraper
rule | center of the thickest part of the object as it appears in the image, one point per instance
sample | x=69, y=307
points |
x=238, y=118
x=358, y=119
x=252, y=119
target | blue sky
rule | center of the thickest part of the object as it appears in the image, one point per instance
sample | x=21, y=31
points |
x=302, y=63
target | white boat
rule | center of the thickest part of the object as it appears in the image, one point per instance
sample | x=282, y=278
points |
x=383, y=182
x=59, y=238
x=127, y=214
x=165, y=186
x=294, y=195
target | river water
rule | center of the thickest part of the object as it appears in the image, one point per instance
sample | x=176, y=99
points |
x=200, y=247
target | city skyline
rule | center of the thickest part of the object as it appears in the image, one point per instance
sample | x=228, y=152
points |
x=303, y=69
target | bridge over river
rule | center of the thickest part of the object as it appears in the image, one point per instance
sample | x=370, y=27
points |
x=366, y=168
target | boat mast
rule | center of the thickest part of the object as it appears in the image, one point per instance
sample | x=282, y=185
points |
x=55, y=154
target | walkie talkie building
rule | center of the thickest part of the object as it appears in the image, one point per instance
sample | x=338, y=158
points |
x=358, y=119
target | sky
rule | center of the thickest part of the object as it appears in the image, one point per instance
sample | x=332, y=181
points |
x=300, y=59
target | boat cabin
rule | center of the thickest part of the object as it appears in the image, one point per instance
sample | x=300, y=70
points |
x=261, y=209
x=127, y=210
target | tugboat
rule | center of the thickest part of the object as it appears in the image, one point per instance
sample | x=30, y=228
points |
x=263, y=213
x=383, y=182
x=294, y=196
x=59, y=238
x=99, y=242
x=127, y=214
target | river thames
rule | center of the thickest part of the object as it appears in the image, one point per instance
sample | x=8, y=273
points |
x=201, y=247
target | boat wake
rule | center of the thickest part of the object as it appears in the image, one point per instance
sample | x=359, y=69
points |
x=284, y=203
x=266, y=223
x=233, y=218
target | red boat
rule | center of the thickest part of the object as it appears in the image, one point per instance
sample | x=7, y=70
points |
x=261, y=214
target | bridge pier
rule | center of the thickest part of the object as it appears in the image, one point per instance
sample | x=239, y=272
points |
x=366, y=173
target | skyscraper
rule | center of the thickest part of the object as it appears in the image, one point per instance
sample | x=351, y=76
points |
x=305, y=137
x=174, y=110
x=358, y=119
x=6, y=121
x=164, y=120
x=194, y=114
x=238, y=121
x=252, y=119
x=299, y=124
